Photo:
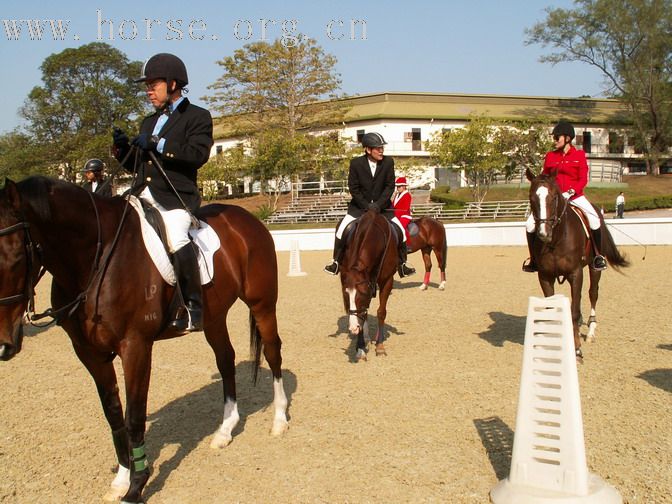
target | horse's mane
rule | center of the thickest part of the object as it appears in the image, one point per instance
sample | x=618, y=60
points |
x=35, y=192
x=358, y=239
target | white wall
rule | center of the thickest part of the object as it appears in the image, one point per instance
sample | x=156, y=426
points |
x=653, y=231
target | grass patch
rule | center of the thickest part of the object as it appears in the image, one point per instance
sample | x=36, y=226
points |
x=642, y=192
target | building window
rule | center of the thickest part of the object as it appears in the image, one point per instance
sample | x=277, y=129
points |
x=219, y=149
x=586, y=142
x=416, y=139
x=616, y=143
x=360, y=134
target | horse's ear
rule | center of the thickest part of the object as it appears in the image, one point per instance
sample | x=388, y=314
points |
x=529, y=174
x=12, y=193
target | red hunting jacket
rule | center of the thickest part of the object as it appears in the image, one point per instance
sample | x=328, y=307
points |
x=571, y=169
x=402, y=207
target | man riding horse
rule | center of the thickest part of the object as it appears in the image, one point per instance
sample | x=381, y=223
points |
x=371, y=184
x=571, y=170
x=179, y=134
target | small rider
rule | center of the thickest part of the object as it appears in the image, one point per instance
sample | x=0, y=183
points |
x=95, y=180
x=371, y=184
x=179, y=134
x=571, y=169
x=401, y=202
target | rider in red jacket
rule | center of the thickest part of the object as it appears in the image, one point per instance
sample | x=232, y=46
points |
x=401, y=201
x=571, y=169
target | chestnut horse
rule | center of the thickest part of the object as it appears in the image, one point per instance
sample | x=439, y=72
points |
x=369, y=263
x=427, y=234
x=562, y=249
x=112, y=301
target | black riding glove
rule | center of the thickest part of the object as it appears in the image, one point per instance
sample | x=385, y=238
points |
x=375, y=207
x=119, y=138
x=146, y=141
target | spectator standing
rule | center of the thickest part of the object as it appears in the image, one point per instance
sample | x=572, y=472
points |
x=620, y=205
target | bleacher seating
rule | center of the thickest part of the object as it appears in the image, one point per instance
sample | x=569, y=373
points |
x=312, y=208
x=331, y=207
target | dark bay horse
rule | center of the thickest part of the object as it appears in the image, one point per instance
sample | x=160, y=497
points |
x=369, y=263
x=562, y=249
x=112, y=301
x=427, y=235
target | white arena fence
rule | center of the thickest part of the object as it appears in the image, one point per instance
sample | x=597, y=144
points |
x=635, y=231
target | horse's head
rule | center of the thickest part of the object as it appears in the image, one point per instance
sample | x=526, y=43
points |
x=361, y=264
x=546, y=203
x=15, y=270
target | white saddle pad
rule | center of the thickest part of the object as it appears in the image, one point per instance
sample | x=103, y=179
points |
x=204, y=237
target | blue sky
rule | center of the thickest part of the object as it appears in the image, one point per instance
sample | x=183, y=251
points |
x=452, y=47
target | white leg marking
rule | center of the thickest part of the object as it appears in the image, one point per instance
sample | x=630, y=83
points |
x=119, y=485
x=223, y=436
x=442, y=285
x=280, y=424
x=590, y=337
x=423, y=287
x=353, y=322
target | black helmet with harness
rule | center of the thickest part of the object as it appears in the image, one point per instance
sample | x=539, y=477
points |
x=564, y=128
x=165, y=66
x=93, y=165
x=373, y=140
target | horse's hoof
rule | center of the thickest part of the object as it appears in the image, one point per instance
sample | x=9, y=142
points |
x=380, y=350
x=423, y=287
x=442, y=286
x=360, y=355
x=114, y=494
x=220, y=441
x=279, y=428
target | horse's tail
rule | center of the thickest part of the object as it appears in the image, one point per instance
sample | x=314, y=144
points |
x=615, y=258
x=255, y=347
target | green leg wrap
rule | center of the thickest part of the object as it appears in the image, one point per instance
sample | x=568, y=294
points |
x=138, y=458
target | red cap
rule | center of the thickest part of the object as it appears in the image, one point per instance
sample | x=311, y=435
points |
x=400, y=181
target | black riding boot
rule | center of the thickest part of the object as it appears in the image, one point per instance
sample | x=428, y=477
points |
x=599, y=262
x=404, y=269
x=188, y=276
x=531, y=266
x=332, y=267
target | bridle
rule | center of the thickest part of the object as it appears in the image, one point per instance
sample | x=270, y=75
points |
x=555, y=219
x=32, y=278
x=30, y=249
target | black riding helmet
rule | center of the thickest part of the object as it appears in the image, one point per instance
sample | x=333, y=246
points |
x=165, y=66
x=373, y=140
x=564, y=128
x=93, y=165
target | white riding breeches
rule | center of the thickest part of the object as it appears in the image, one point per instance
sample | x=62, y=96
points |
x=588, y=209
x=580, y=202
x=349, y=218
x=177, y=222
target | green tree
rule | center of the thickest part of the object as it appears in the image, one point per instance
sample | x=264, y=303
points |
x=473, y=150
x=20, y=156
x=524, y=144
x=84, y=92
x=272, y=85
x=629, y=42
x=228, y=167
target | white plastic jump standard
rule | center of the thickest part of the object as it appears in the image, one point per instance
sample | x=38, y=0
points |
x=548, y=463
x=295, y=260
